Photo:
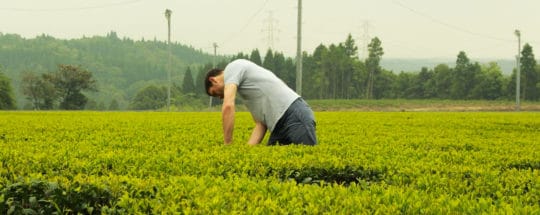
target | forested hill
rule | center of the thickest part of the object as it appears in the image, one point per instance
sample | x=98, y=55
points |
x=133, y=74
x=121, y=66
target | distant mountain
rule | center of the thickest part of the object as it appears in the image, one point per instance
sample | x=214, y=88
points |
x=415, y=65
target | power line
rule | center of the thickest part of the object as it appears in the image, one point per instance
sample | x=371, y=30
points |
x=453, y=27
x=73, y=8
x=233, y=35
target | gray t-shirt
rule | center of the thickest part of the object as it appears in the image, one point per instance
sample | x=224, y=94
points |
x=266, y=96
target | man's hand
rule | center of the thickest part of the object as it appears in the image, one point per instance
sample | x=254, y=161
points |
x=258, y=134
x=227, y=112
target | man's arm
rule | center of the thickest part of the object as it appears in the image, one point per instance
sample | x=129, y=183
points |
x=258, y=133
x=227, y=112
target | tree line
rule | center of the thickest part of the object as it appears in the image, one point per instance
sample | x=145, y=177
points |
x=331, y=72
x=336, y=72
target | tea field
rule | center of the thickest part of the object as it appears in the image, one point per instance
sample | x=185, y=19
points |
x=175, y=163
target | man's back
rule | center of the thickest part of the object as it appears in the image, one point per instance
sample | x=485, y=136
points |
x=266, y=96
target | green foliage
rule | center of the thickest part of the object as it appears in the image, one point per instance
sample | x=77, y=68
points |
x=114, y=105
x=443, y=81
x=69, y=81
x=331, y=175
x=7, y=99
x=490, y=83
x=530, y=77
x=41, y=197
x=188, y=86
x=39, y=91
x=65, y=84
x=283, y=67
x=175, y=163
x=116, y=63
x=463, y=77
x=432, y=105
x=255, y=57
x=199, y=80
x=375, y=53
x=150, y=98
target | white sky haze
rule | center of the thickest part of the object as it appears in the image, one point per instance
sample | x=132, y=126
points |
x=407, y=28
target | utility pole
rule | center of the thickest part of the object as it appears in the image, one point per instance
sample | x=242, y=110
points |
x=215, y=53
x=518, y=73
x=213, y=65
x=168, y=16
x=299, y=51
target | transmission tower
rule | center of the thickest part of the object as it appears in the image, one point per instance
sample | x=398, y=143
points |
x=365, y=38
x=365, y=54
x=271, y=30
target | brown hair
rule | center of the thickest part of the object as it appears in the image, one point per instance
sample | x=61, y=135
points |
x=211, y=73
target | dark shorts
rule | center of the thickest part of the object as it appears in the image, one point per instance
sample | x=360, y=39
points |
x=297, y=125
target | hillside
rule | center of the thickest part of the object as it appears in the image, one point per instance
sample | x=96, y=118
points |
x=120, y=66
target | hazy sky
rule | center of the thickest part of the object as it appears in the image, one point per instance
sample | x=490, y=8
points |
x=407, y=28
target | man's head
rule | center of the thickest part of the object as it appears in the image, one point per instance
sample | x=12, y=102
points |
x=214, y=83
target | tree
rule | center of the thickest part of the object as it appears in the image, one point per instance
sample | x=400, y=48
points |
x=338, y=67
x=429, y=86
x=464, y=77
x=314, y=74
x=284, y=69
x=442, y=79
x=91, y=105
x=188, y=86
x=7, y=98
x=240, y=56
x=321, y=75
x=375, y=53
x=330, y=66
x=457, y=90
x=268, y=61
x=351, y=52
x=150, y=98
x=290, y=68
x=41, y=93
x=199, y=82
x=114, y=105
x=529, y=75
x=490, y=83
x=69, y=82
x=402, y=85
x=350, y=47
x=255, y=57
x=358, y=79
x=419, y=85
x=382, y=85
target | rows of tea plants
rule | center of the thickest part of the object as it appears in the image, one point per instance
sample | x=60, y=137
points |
x=366, y=162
